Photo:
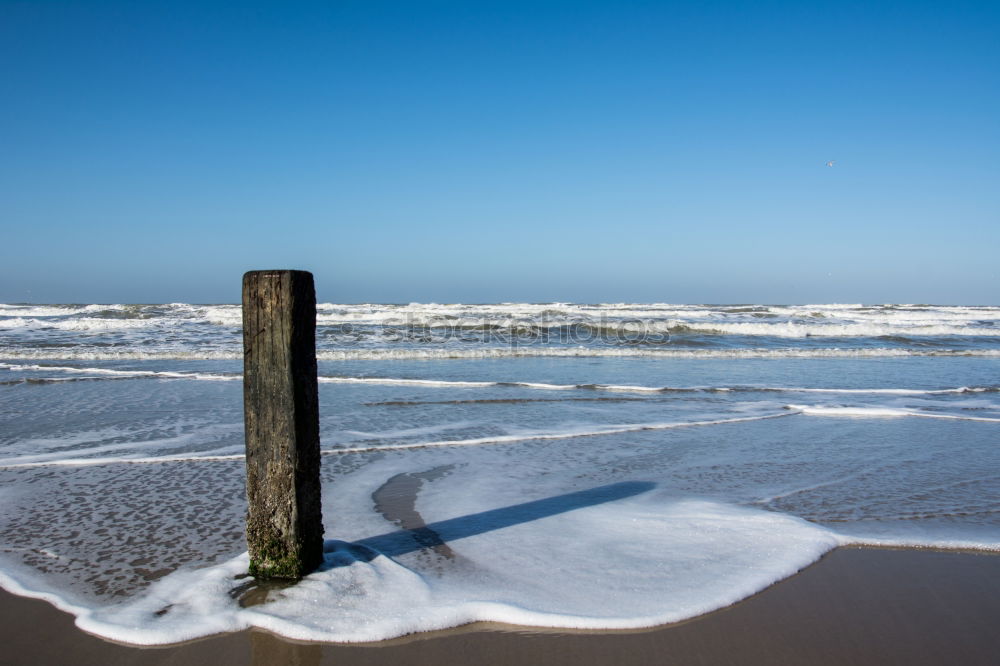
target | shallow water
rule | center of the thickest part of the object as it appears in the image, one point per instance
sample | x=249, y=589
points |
x=605, y=482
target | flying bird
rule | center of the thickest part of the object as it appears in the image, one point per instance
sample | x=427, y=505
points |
x=830, y=163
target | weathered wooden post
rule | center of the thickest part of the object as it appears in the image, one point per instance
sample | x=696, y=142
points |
x=281, y=412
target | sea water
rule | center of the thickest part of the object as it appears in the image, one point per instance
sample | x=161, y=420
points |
x=559, y=465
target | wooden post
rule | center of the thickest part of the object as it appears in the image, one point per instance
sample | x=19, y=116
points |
x=281, y=412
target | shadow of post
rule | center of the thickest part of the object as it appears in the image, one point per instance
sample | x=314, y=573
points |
x=400, y=542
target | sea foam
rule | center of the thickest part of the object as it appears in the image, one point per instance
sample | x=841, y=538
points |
x=473, y=353
x=627, y=562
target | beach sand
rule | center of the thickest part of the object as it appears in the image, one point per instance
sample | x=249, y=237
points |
x=854, y=606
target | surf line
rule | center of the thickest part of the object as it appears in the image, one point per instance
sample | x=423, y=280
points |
x=108, y=373
x=478, y=441
x=790, y=410
x=335, y=355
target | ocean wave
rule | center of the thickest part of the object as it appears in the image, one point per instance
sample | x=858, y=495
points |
x=634, y=328
x=71, y=452
x=223, y=456
x=103, y=354
x=80, y=324
x=880, y=412
x=835, y=330
x=627, y=316
x=58, y=310
x=47, y=460
x=639, y=330
x=585, y=352
x=97, y=373
x=631, y=333
x=570, y=434
x=124, y=374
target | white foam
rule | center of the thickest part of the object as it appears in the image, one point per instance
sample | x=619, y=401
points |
x=583, y=431
x=391, y=381
x=882, y=391
x=840, y=330
x=630, y=388
x=632, y=562
x=924, y=542
x=387, y=353
x=543, y=386
x=165, y=374
x=627, y=316
x=220, y=455
x=84, y=448
x=442, y=383
x=880, y=412
x=602, y=352
x=221, y=315
x=82, y=324
x=55, y=310
x=905, y=315
x=83, y=353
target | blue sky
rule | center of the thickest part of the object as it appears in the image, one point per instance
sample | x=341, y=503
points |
x=481, y=152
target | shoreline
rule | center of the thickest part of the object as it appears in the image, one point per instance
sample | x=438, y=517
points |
x=858, y=605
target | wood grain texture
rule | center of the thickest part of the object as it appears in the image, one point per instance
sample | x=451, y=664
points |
x=281, y=411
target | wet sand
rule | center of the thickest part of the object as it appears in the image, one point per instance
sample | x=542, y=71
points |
x=855, y=606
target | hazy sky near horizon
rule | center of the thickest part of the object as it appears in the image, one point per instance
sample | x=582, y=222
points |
x=508, y=151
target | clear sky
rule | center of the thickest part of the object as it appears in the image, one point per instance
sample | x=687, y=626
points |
x=480, y=152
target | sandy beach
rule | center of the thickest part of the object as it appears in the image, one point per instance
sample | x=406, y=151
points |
x=855, y=606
